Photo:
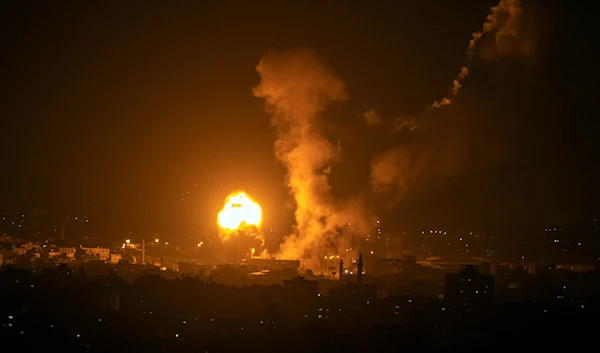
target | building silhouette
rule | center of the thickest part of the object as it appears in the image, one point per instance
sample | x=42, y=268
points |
x=468, y=287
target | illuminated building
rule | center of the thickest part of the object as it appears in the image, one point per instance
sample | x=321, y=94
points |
x=102, y=253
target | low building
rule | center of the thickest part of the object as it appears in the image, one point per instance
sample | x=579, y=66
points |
x=468, y=287
x=99, y=253
x=69, y=252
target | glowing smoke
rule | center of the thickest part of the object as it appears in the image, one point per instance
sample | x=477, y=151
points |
x=297, y=86
x=503, y=19
x=437, y=147
x=405, y=122
x=372, y=118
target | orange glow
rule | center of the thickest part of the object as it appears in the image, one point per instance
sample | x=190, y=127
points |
x=239, y=211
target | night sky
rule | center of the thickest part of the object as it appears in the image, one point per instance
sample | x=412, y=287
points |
x=144, y=109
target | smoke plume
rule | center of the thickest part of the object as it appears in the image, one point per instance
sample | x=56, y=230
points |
x=437, y=147
x=297, y=85
x=503, y=19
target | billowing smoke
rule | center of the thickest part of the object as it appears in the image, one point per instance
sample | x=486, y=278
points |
x=372, y=118
x=405, y=122
x=297, y=86
x=437, y=146
x=503, y=19
x=435, y=151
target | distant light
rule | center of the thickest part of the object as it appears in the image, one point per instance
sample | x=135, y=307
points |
x=318, y=294
x=156, y=240
x=460, y=239
x=128, y=241
x=199, y=244
x=176, y=335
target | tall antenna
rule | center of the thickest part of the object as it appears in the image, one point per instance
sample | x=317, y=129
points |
x=143, y=252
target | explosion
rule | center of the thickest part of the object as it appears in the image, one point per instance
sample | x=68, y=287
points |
x=239, y=212
x=239, y=220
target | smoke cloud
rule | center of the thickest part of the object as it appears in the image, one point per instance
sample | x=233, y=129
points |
x=372, y=118
x=297, y=85
x=405, y=122
x=239, y=243
x=437, y=147
x=504, y=20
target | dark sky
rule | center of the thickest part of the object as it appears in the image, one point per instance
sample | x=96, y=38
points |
x=119, y=108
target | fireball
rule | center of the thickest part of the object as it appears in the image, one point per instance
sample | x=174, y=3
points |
x=239, y=211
